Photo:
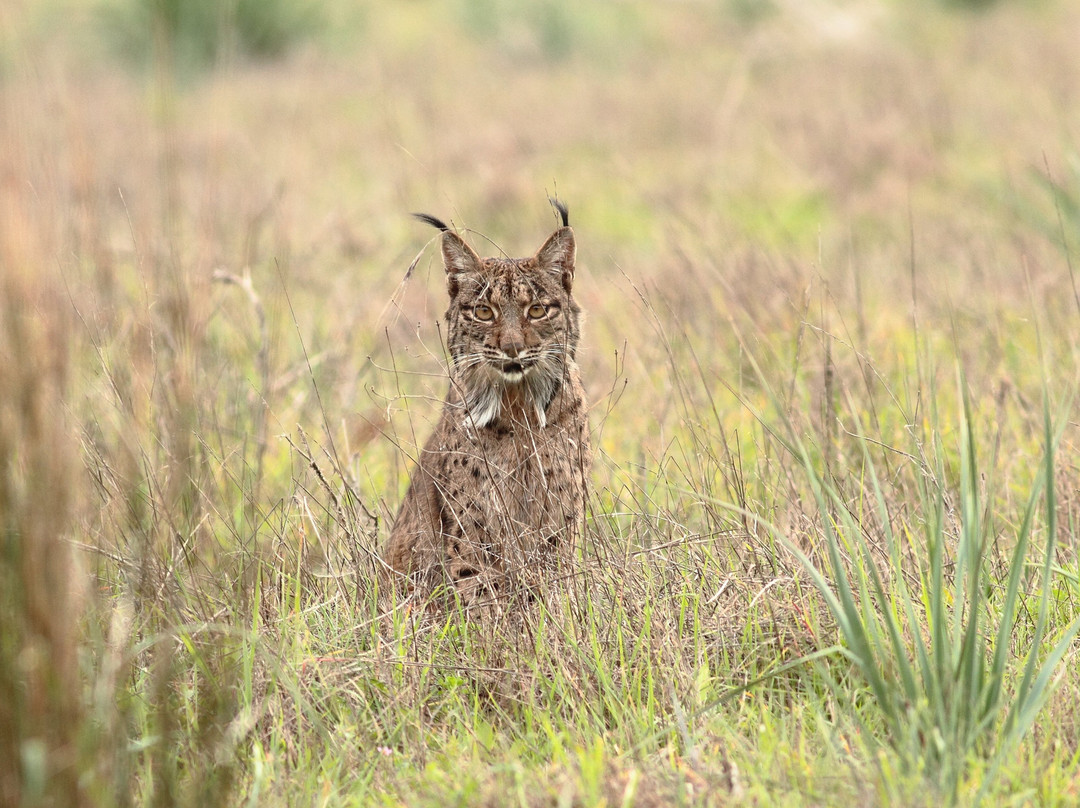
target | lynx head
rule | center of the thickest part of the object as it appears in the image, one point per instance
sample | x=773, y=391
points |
x=513, y=323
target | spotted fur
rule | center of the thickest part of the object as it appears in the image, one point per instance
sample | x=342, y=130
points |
x=499, y=492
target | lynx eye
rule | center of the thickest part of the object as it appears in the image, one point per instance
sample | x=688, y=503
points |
x=537, y=310
x=483, y=313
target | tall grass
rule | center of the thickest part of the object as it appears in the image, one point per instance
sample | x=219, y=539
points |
x=953, y=648
x=212, y=375
x=42, y=598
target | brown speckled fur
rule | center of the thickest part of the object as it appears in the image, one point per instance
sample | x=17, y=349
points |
x=499, y=493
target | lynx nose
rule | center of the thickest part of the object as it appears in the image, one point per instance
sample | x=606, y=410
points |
x=512, y=345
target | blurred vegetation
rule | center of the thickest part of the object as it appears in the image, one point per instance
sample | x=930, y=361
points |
x=834, y=552
x=554, y=30
x=1063, y=223
x=197, y=34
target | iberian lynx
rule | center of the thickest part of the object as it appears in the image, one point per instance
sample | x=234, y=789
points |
x=499, y=492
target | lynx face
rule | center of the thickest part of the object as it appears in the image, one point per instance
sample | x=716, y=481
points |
x=512, y=325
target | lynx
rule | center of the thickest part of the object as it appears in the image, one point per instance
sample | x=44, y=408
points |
x=498, y=495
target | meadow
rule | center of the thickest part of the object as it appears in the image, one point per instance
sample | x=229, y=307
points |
x=827, y=252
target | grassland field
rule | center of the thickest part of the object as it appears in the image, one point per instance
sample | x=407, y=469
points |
x=827, y=251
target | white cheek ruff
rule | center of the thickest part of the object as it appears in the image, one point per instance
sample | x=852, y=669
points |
x=484, y=393
x=484, y=405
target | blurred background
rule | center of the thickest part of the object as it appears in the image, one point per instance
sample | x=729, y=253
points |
x=701, y=146
x=205, y=252
x=725, y=159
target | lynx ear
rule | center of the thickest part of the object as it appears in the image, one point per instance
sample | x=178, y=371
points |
x=458, y=258
x=558, y=255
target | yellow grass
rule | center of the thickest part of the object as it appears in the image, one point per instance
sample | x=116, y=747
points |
x=215, y=369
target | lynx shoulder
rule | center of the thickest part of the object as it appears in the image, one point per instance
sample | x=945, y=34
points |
x=499, y=492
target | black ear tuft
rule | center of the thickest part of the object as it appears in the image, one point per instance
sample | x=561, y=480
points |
x=432, y=221
x=564, y=212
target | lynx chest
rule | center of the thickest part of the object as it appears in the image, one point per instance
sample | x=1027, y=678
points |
x=510, y=483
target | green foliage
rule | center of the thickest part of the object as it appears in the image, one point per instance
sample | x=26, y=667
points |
x=969, y=5
x=555, y=29
x=196, y=34
x=795, y=220
x=749, y=12
x=956, y=667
